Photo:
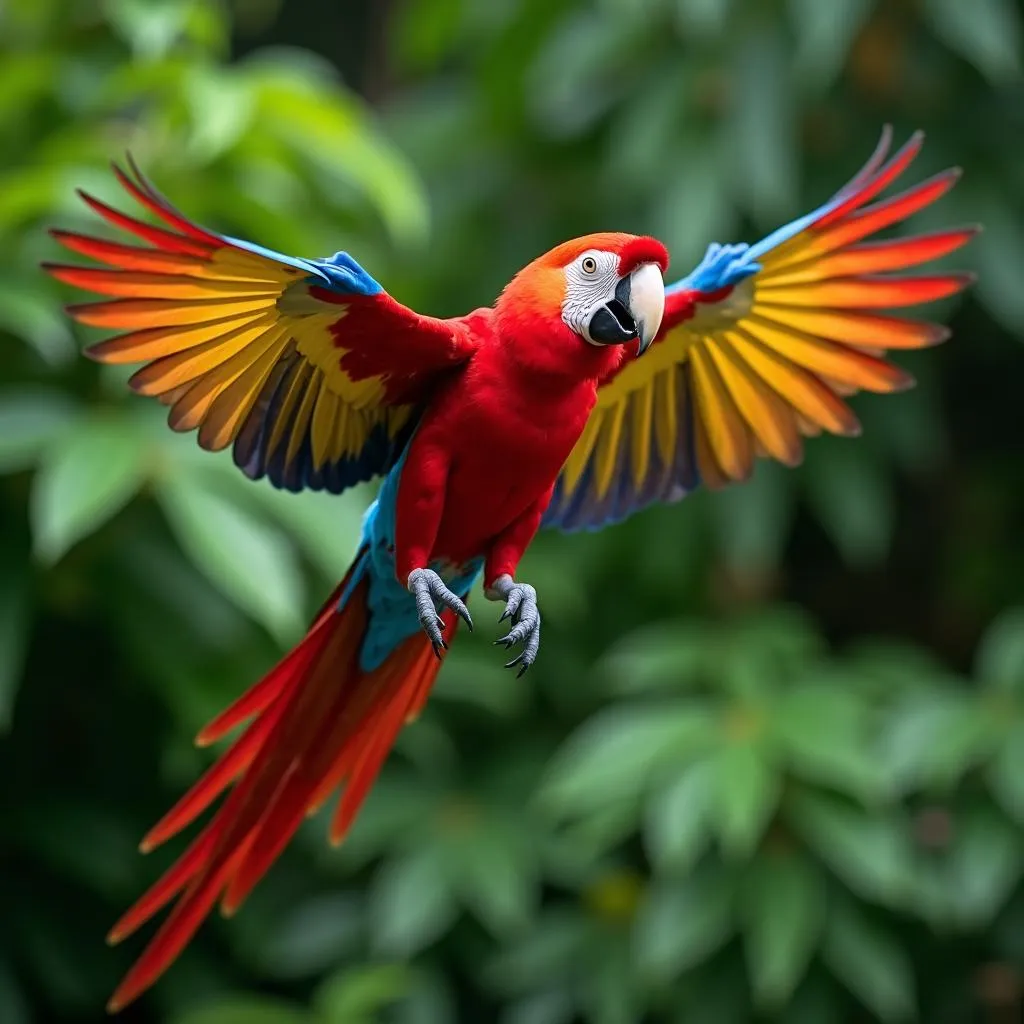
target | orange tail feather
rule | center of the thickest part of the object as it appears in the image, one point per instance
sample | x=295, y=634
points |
x=321, y=722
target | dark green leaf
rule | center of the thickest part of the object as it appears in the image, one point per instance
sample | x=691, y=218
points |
x=825, y=731
x=249, y=560
x=825, y=33
x=411, y=903
x=1006, y=773
x=676, y=829
x=496, y=875
x=870, y=963
x=244, y=1010
x=358, y=994
x=86, y=476
x=1000, y=658
x=15, y=622
x=783, y=911
x=614, y=754
x=986, y=861
x=682, y=923
x=312, y=937
x=872, y=855
x=986, y=32
x=30, y=418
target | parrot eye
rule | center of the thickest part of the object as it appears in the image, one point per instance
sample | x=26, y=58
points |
x=589, y=264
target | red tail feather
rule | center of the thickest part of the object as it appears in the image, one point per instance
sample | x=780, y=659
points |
x=320, y=722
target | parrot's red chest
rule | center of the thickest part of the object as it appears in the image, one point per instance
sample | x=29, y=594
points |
x=504, y=436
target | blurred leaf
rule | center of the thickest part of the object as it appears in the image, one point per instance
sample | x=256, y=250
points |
x=250, y=561
x=999, y=249
x=824, y=731
x=681, y=924
x=557, y=941
x=851, y=498
x=671, y=655
x=1000, y=658
x=221, y=107
x=783, y=909
x=30, y=418
x=1006, y=773
x=869, y=963
x=554, y=1007
x=312, y=937
x=615, y=753
x=27, y=311
x=987, y=32
x=691, y=206
x=244, y=1010
x=704, y=18
x=825, y=34
x=754, y=519
x=411, y=903
x=357, y=994
x=15, y=623
x=747, y=788
x=87, y=475
x=872, y=855
x=676, y=829
x=763, y=126
x=986, y=861
x=14, y=1006
x=496, y=876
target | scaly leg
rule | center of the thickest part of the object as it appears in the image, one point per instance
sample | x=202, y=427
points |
x=430, y=593
x=520, y=606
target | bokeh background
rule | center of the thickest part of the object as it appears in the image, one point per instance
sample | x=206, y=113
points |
x=770, y=766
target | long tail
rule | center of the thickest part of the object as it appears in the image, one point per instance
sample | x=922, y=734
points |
x=318, y=722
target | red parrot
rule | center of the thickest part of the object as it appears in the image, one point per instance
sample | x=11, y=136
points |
x=585, y=393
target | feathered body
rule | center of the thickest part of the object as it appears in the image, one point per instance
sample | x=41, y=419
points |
x=587, y=392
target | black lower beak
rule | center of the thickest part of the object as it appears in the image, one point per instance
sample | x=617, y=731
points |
x=613, y=324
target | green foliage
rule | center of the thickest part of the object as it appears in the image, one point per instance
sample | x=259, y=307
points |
x=715, y=798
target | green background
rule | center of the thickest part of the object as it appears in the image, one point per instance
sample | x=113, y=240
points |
x=770, y=765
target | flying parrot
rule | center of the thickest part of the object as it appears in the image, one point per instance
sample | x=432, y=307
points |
x=585, y=393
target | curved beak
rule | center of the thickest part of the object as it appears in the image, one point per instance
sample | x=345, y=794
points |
x=634, y=312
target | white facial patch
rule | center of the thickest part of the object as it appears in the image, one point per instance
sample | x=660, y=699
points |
x=590, y=282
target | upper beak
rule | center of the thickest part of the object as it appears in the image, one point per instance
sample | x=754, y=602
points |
x=634, y=312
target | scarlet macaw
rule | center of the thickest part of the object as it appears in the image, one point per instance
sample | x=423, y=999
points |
x=534, y=412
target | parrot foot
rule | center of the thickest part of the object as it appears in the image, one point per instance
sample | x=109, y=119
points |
x=430, y=593
x=521, y=607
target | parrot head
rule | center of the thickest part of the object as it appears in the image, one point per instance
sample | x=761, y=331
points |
x=574, y=309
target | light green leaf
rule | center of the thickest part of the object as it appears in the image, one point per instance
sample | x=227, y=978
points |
x=986, y=861
x=872, y=855
x=244, y=1010
x=676, y=829
x=986, y=32
x=669, y=655
x=30, y=418
x=825, y=732
x=1006, y=773
x=314, y=936
x=783, y=911
x=249, y=560
x=221, y=107
x=870, y=963
x=86, y=476
x=358, y=994
x=412, y=902
x=615, y=753
x=825, y=33
x=555, y=1007
x=681, y=924
x=15, y=621
x=1000, y=658
x=747, y=788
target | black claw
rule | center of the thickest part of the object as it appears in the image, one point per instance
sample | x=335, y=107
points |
x=522, y=671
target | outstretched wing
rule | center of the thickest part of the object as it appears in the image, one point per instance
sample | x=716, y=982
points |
x=757, y=346
x=307, y=367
